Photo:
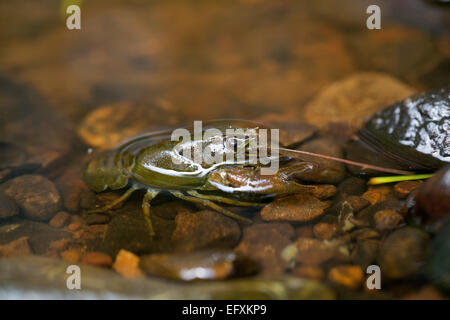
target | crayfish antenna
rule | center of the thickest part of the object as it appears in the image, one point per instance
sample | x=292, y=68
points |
x=306, y=154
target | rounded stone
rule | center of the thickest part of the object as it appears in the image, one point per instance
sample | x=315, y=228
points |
x=36, y=196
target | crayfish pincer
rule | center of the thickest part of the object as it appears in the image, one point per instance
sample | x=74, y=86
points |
x=226, y=174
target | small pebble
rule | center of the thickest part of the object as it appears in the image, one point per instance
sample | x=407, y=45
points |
x=97, y=258
x=127, y=265
x=59, y=245
x=404, y=188
x=324, y=231
x=357, y=203
x=387, y=219
x=74, y=226
x=97, y=219
x=377, y=194
x=350, y=276
x=315, y=252
x=305, y=231
x=72, y=255
x=59, y=220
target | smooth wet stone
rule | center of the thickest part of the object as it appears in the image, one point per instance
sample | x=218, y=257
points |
x=437, y=269
x=264, y=243
x=326, y=171
x=366, y=215
x=387, y=219
x=204, y=230
x=323, y=191
x=301, y=207
x=36, y=196
x=403, y=253
x=433, y=197
x=315, y=252
x=19, y=247
x=8, y=207
x=40, y=235
x=356, y=98
x=26, y=277
x=200, y=265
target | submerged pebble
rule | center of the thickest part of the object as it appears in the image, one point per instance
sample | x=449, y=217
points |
x=264, y=243
x=403, y=253
x=347, y=275
x=301, y=207
x=204, y=230
x=36, y=196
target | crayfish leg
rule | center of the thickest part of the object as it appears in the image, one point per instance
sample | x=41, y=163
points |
x=210, y=204
x=225, y=200
x=151, y=194
x=116, y=202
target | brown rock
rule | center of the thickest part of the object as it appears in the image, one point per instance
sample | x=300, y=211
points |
x=324, y=231
x=59, y=220
x=387, y=219
x=348, y=275
x=355, y=99
x=404, y=188
x=264, y=243
x=325, y=171
x=299, y=208
x=72, y=255
x=403, y=253
x=425, y=293
x=71, y=186
x=19, y=247
x=127, y=265
x=323, y=191
x=204, y=229
x=315, y=252
x=350, y=186
x=36, y=196
x=377, y=194
x=201, y=265
x=310, y=272
x=95, y=218
x=357, y=203
x=97, y=258
x=74, y=226
x=8, y=208
x=59, y=245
